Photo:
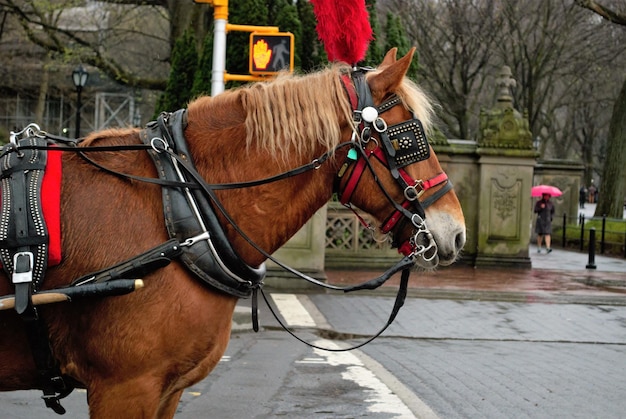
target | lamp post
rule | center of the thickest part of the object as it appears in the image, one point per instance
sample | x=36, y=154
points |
x=79, y=77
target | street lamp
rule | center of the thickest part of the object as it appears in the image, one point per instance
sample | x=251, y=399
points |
x=79, y=77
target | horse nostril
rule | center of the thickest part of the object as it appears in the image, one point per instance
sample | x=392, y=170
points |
x=459, y=241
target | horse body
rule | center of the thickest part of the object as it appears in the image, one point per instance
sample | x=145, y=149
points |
x=136, y=353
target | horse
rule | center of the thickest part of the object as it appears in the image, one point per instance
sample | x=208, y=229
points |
x=330, y=131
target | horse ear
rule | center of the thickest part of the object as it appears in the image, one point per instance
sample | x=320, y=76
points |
x=390, y=58
x=390, y=76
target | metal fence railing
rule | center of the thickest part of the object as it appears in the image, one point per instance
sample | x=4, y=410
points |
x=610, y=233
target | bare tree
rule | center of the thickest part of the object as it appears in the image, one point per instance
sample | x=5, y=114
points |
x=560, y=56
x=455, y=41
x=613, y=184
x=550, y=51
x=128, y=41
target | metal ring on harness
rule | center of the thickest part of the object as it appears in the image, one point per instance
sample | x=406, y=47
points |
x=420, y=249
x=421, y=223
x=366, y=135
x=411, y=194
x=154, y=145
x=380, y=125
x=31, y=130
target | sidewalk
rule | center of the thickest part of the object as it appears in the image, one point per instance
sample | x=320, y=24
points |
x=569, y=260
x=559, y=276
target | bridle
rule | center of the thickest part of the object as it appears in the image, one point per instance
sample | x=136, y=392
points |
x=396, y=147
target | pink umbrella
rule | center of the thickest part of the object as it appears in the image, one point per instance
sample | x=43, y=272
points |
x=539, y=190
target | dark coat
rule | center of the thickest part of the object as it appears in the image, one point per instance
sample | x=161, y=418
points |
x=544, y=217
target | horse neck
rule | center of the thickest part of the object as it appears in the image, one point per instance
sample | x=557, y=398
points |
x=269, y=214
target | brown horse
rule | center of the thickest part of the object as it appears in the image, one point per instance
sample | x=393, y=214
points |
x=136, y=353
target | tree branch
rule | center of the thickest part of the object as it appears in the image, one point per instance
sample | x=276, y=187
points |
x=604, y=11
x=56, y=39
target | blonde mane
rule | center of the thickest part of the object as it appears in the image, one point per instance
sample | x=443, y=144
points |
x=296, y=111
x=299, y=113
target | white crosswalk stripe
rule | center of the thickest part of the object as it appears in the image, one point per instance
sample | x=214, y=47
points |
x=381, y=398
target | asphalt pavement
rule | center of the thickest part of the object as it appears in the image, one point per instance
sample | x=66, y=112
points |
x=466, y=344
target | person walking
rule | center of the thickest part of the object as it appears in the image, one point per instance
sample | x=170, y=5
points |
x=582, y=197
x=544, y=208
x=592, y=192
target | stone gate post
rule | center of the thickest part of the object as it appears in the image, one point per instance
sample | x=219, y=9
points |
x=506, y=160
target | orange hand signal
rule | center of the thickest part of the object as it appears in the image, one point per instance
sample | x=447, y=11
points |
x=261, y=54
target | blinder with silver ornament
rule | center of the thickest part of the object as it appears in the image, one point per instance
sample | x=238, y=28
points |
x=409, y=140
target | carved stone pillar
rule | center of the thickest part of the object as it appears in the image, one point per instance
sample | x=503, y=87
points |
x=504, y=214
x=506, y=163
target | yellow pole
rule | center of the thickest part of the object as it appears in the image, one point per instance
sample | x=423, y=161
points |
x=220, y=9
x=244, y=77
x=220, y=27
x=251, y=28
x=220, y=20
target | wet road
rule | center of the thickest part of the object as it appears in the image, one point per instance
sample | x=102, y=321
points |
x=489, y=343
x=440, y=358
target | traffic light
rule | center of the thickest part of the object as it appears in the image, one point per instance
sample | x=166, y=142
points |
x=271, y=52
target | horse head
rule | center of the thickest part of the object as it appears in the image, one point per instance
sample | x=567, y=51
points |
x=392, y=172
x=368, y=125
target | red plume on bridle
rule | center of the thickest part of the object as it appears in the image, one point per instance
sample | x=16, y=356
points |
x=343, y=27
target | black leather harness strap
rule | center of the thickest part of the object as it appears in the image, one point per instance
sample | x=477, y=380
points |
x=136, y=267
x=24, y=255
x=23, y=232
x=189, y=215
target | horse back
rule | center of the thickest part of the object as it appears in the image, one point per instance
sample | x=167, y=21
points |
x=106, y=219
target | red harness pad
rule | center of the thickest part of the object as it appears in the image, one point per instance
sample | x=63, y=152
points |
x=51, y=204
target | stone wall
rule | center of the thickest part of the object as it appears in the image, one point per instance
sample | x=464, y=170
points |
x=493, y=186
x=494, y=191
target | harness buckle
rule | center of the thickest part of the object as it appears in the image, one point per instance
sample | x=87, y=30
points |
x=22, y=267
x=411, y=193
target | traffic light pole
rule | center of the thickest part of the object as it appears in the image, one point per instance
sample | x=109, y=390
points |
x=219, y=56
x=220, y=28
x=220, y=19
